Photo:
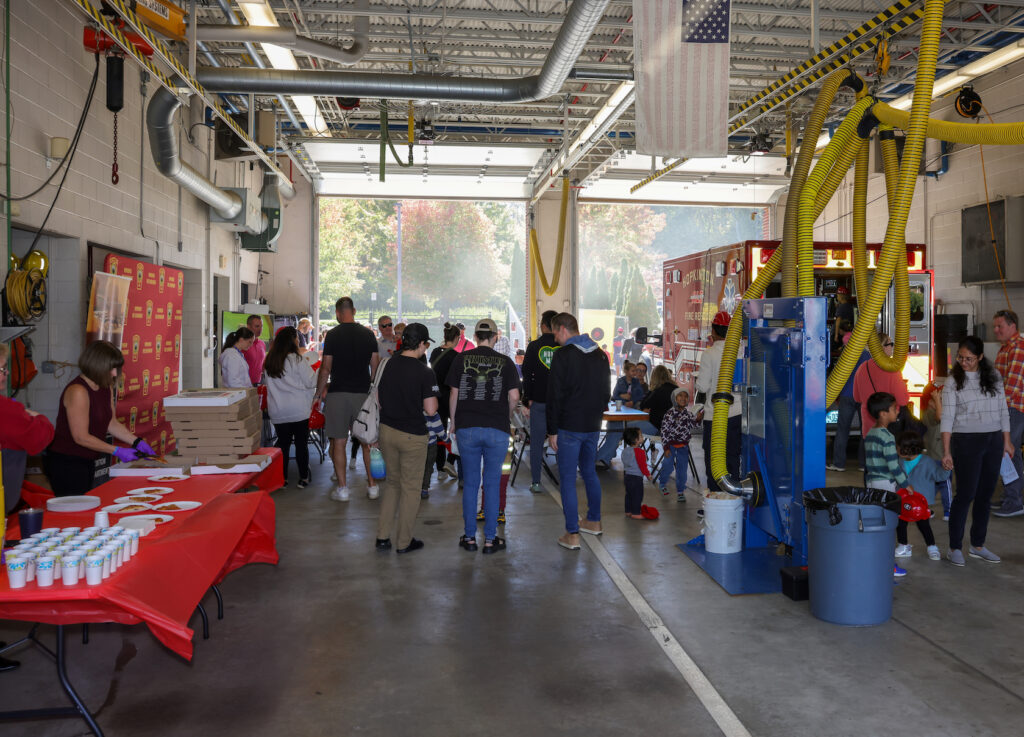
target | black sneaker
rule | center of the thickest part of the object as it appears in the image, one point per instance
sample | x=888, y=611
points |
x=414, y=544
x=468, y=543
x=303, y=483
x=494, y=546
x=424, y=494
x=384, y=544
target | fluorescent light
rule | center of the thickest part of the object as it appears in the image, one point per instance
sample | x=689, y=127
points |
x=603, y=114
x=995, y=60
x=949, y=82
x=280, y=57
x=257, y=12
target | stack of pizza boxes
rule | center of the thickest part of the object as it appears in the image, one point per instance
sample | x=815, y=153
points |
x=215, y=425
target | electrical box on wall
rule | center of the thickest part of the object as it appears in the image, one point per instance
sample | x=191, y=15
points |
x=248, y=220
x=979, y=254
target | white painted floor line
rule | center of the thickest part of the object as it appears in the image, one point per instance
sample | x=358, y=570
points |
x=708, y=695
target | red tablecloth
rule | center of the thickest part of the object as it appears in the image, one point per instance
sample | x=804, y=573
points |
x=176, y=564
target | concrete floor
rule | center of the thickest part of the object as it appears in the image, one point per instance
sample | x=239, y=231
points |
x=339, y=639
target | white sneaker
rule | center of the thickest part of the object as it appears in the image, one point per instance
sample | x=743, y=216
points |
x=340, y=494
x=834, y=467
x=351, y=462
x=903, y=551
x=372, y=492
x=450, y=470
x=933, y=553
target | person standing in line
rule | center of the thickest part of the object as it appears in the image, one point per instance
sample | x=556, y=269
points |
x=536, y=365
x=485, y=392
x=234, y=369
x=504, y=346
x=871, y=378
x=290, y=383
x=388, y=341
x=408, y=395
x=1010, y=365
x=256, y=353
x=577, y=399
x=634, y=471
x=975, y=437
x=441, y=360
x=350, y=357
x=848, y=408
x=677, y=426
x=305, y=330
x=707, y=383
x=463, y=344
x=843, y=313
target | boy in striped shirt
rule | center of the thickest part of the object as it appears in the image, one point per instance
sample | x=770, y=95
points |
x=881, y=461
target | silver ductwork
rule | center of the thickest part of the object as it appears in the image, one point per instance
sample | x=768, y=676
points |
x=288, y=38
x=164, y=144
x=576, y=30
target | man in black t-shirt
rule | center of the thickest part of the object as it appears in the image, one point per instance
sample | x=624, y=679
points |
x=350, y=358
x=485, y=391
x=536, y=365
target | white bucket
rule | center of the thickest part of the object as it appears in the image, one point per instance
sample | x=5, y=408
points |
x=723, y=525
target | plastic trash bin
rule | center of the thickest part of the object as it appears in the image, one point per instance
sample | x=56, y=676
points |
x=851, y=540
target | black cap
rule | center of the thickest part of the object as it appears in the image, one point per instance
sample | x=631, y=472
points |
x=416, y=333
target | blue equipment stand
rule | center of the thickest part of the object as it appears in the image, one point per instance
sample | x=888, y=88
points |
x=783, y=386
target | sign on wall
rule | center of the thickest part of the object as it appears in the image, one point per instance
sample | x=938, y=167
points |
x=151, y=344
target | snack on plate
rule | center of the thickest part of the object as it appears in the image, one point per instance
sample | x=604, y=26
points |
x=133, y=508
x=176, y=506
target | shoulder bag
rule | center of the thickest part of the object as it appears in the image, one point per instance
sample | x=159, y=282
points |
x=366, y=425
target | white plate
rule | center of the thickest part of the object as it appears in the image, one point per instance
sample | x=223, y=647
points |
x=150, y=490
x=156, y=518
x=181, y=506
x=80, y=503
x=140, y=498
x=117, y=508
x=169, y=477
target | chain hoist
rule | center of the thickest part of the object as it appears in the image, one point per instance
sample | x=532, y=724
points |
x=114, y=178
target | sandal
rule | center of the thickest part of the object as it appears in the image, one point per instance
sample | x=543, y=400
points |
x=493, y=546
x=468, y=543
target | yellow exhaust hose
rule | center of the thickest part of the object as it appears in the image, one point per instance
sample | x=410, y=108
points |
x=899, y=208
x=805, y=158
x=992, y=134
x=550, y=287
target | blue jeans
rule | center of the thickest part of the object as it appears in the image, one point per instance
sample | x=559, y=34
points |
x=538, y=434
x=847, y=409
x=577, y=450
x=489, y=446
x=611, y=439
x=680, y=458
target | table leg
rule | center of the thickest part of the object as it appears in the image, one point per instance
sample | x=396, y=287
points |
x=206, y=620
x=78, y=710
x=85, y=633
x=220, y=601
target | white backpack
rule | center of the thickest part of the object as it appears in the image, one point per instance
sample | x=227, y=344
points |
x=366, y=425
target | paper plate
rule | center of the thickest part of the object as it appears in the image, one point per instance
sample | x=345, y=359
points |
x=149, y=490
x=141, y=498
x=176, y=506
x=126, y=508
x=155, y=518
x=80, y=503
x=169, y=477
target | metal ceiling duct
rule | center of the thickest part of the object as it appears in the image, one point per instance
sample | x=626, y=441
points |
x=164, y=144
x=288, y=38
x=576, y=30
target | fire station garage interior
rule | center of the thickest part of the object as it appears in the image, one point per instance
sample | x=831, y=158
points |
x=879, y=148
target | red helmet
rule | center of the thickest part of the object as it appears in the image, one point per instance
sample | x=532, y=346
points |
x=914, y=507
x=843, y=290
x=722, y=318
x=316, y=419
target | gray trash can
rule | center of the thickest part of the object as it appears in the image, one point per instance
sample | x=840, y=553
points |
x=851, y=540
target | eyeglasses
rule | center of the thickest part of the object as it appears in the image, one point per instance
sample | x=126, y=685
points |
x=966, y=359
x=385, y=325
x=888, y=345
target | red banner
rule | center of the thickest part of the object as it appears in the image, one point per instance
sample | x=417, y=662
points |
x=151, y=344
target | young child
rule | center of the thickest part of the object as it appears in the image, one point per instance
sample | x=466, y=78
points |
x=634, y=471
x=676, y=428
x=922, y=473
x=881, y=462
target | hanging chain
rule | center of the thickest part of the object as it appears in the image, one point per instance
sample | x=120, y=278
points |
x=114, y=178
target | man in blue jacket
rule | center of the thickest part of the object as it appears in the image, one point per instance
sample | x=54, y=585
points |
x=578, y=392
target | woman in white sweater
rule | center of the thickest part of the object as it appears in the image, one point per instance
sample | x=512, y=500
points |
x=290, y=383
x=234, y=369
x=975, y=429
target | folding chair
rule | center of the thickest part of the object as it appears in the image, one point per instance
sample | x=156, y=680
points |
x=521, y=433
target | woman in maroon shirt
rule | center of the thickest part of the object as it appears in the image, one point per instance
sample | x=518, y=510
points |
x=85, y=418
x=22, y=432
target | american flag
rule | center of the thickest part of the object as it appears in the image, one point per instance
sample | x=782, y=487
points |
x=682, y=75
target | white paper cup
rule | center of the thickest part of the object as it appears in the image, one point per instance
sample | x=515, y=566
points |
x=101, y=519
x=50, y=530
x=30, y=557
x=72, y=530
x=94, y=569
x=92, y=530
x=69, y=569
x=108, y=560
x=44, y=570
x=17, y=571
x=134, y=536
x=124, y=543
x=117, y=529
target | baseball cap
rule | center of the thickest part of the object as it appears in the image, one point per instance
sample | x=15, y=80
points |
x=487, y=325
x=722, y=318
x=416, y=333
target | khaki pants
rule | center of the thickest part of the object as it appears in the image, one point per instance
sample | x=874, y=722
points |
x=404, y=456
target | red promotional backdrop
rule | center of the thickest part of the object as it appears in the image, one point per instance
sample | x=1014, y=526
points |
x=151, y=344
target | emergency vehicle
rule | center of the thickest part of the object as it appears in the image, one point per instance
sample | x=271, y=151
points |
x=698, y=285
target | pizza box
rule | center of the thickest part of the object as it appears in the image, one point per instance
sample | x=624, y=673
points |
x=204, y=424
x=146, y=467
x=245, y=402
x=207, y=397
x=218, y=446
x=230, y=464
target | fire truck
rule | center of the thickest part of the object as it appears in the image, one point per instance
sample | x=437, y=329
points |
x=698, y=285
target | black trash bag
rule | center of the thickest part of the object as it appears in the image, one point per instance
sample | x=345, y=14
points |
x=827, y=499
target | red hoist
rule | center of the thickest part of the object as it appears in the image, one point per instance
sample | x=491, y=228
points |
x=99, y=42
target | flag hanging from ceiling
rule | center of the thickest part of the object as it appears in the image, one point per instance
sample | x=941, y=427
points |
x=682, y=77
